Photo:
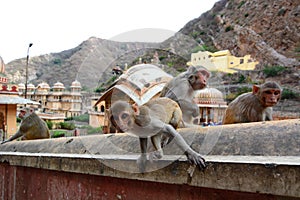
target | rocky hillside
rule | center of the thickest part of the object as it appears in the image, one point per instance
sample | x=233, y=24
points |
x=266, y=29
x=88, y=63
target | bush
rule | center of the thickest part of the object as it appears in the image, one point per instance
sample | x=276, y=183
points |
x=228, y=28
x=273, y=71
x=92, y=130
x=289, y=94
x=82, y=118
x=57, y=134
x=49, y=124
x=64, y=125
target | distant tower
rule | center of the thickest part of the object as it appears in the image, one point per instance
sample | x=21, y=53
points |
x=76, y=87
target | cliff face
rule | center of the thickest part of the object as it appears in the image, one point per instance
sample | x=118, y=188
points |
x=268, y=30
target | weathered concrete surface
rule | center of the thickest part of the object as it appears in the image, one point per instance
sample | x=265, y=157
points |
x=245, y=161
x=275, y=138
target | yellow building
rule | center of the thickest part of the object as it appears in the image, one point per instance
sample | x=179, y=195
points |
x=222, y=61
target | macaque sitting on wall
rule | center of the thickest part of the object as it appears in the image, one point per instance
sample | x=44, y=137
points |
x=154, y=119
x=254, y=106
x=181, y=89
x=32, y=127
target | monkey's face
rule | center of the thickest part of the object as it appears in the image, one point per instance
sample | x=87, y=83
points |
x=22, y=114
x=122, y=120
x=198, y=80
x=270, y=97
x=121, y=116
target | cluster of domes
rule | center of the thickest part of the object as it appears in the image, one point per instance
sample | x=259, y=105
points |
x=58, y=85
x=209, y=96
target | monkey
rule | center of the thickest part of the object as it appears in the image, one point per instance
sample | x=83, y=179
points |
x=32, y=126
x=153, y=119
x=181, y=89
x=254, y=106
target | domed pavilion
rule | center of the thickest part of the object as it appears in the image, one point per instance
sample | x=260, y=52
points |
x=211, y=104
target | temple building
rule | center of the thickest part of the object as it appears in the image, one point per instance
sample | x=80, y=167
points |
x=222, y=61
x=138, y=85
x=56, y=100
x=211, y=104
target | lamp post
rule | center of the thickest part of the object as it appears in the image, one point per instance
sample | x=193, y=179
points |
x=27, y=58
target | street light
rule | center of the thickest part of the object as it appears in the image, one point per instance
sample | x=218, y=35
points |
x=27, y=58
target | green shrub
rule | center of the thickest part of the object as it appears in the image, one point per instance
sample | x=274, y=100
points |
x=228, y=28
x=273, y=70
x=289, y=94
x=49, y=124
x=241, y=79
x=82, y=118
x=64, y=125
x=57, y=134
x=92, y=130
x=241, y=4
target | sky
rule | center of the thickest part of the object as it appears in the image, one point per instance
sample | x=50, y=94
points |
x=57, y=25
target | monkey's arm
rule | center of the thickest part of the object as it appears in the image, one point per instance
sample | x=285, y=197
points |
x=15, y=136
x=187, y=106
x=193, y=157
x=141, y=161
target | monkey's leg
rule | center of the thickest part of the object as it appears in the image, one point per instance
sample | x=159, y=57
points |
x=193, y=156
x=156, y=141
x=141, y=161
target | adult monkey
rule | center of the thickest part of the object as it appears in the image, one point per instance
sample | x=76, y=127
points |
x=181, y=89
x=154, y=119
x=254, y=106
x=32, y=126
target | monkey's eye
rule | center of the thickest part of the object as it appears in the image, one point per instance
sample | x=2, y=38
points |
x=124, y=116
x=268, y=92
x=277, y=93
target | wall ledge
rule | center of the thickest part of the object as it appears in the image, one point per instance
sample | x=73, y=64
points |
x=276, y=175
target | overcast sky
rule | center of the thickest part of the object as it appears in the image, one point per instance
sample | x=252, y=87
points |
x=57, y=25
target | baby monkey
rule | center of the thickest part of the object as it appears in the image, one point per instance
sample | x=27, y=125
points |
x=154, y=119
x=32, y=126
x=254, y=106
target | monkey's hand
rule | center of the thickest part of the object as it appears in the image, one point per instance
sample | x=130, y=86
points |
x=141, y=162
x=197, y=159
x=156, y=155
x=4, y=141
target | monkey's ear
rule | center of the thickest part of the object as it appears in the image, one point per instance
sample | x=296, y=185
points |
x=136, y=109
x=255, y=89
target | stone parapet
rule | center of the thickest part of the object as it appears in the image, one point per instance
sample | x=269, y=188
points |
x=257, y=160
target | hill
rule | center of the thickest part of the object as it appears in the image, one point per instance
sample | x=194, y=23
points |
x=267, y=30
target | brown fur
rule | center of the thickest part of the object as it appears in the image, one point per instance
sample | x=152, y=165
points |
x=253, y=106
x=32, y=127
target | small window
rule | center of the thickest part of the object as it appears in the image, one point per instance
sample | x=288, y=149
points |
x=102, y=108
x=241, y=61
